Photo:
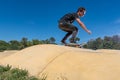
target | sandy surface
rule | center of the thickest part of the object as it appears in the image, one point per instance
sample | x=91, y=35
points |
x=67, y=63
x=7, y=53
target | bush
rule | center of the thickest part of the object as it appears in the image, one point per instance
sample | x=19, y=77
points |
x=105, y=43
x=7, y=73
x=4, y=69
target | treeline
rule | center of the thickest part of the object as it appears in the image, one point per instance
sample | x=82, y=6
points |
x=105, y=43
x=23, y=43
x=99, y=43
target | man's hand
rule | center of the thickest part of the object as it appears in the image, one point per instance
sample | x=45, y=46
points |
x=89, y=32
x=83, y=26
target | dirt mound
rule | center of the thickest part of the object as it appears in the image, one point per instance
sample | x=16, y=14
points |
x=7, y=53
x=67, y=63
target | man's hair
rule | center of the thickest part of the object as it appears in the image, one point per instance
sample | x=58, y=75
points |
x=81, y=9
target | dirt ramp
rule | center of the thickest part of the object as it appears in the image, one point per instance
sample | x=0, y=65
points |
x=7, y=53
x=67, y=63
x=35, y=58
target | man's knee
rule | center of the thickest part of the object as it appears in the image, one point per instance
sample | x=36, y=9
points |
x=76, y=29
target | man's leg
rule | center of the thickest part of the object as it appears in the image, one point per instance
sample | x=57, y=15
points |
x=74, y=33
x=65, y=37
x=71, y=29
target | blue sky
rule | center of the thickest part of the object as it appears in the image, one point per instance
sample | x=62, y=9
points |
x=38, y=19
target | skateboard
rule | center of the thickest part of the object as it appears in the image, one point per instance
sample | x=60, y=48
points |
x=73, y=45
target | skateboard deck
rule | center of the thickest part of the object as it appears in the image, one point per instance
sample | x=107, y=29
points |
x=73, y=45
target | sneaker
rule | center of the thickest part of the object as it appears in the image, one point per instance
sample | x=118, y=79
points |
x=72, y=40
x=63, y=42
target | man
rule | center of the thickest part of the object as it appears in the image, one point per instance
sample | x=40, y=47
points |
x=65, y=24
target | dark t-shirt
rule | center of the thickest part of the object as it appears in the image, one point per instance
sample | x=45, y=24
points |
x=69, y=18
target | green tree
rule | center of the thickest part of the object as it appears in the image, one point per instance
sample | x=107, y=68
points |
x=52, y=40
x=47, y=41
x=106, y=43
x=76, y=39
x=35, y=41
x=99, y=43
x=24, y=42
x=91, y=44
x=3, y=45
x=116, y=38
x=29, y=43
x=116, y=41
x=15, y=45
x=94, y=44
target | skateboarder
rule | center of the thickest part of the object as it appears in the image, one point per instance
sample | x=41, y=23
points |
x=65, y=24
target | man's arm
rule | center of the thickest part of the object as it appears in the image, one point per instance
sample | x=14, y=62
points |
x=83, y=26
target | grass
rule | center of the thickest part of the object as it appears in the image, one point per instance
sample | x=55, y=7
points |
x=9, y=73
